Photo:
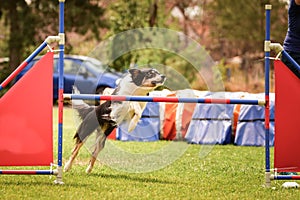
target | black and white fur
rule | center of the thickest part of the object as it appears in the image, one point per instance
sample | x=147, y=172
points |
x=109, y=114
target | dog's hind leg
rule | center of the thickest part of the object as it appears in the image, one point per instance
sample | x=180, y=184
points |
x=87, y=126
x=75, y=151
x=100, y=143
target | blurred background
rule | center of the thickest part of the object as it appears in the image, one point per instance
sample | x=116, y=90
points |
x=231, y=31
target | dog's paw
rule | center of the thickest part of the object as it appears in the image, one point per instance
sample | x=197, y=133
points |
x=68, y=166
x=89, y=169
x=131, y=127
x=133, y=123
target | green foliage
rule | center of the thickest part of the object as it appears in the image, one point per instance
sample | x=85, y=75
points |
x=242, y=23
x=30, y=23
x=3, y=36
x=124, y=16
x=21, y=26
x=220, y=72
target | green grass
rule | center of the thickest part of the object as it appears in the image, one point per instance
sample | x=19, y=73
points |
x=226, y=172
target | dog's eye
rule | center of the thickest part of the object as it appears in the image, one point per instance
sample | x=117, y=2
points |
x=150, y=74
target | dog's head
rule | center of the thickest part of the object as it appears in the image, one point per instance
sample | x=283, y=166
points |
x=147, y=77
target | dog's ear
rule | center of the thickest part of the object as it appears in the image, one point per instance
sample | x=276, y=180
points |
x=134, y=72
x=137, y=76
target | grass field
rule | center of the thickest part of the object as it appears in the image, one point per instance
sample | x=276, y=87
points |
x=226, y=172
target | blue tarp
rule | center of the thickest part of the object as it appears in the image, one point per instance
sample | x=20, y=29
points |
x=147, y=129
x=211, y=123
x=251, y=124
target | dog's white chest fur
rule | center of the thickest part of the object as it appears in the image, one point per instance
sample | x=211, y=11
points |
x=129, y=112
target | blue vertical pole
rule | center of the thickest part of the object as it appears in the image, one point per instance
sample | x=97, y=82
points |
x=267, y=91
x=60, y=90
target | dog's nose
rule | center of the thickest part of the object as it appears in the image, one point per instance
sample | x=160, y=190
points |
x=163, y=76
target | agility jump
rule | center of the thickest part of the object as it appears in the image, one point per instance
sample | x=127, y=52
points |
x=287, y=97
x=26, y=128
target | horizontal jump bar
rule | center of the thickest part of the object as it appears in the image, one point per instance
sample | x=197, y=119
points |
x=28, y=172
x=163, y=99
x=285, y=177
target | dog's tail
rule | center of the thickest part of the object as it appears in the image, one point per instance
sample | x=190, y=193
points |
x=82, y=108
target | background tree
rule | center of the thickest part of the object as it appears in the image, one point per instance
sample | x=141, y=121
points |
x=132, y=14
x=238, y=29
x=129, y=15
x=238, y=26
x=30, y=22
x=21, y=28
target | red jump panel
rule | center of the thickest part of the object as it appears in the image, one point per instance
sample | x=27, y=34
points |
x=26, y=118
x=287, y=110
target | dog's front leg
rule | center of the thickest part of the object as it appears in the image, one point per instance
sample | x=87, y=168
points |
x=138, y=108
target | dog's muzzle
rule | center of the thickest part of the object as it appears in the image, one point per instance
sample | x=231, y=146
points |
x=163, y=78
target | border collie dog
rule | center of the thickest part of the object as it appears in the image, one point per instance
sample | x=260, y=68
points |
x=109, y=114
